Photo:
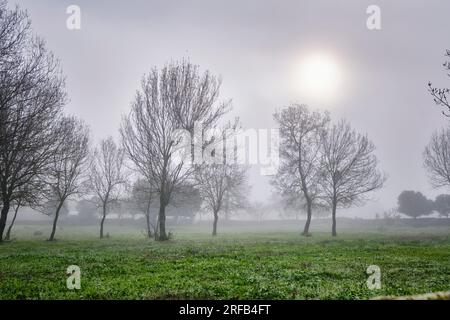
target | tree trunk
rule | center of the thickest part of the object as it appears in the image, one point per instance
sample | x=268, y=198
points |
x=147, y=217
x=3, y=217
x=333, y=213
x=308, y=219
x=162, y=236
x=103, y=220
x=157, y=229
x=8, y=233
x=149, y=230
x=55, y=221
x=216, y=219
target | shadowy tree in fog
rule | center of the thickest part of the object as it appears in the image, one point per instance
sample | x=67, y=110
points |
x=186, y=203
x=107, y=176
x=221, y=181
x=259, y=210
x=214, y=180
x=143, y=196
x=32, y=94
x=437, y=159
x=442, y=205
x=440, y=95
x=66, y=173
x=174, y=98
x=414, y=204
x=300, y=154
x=349, y=168
x=87, y=209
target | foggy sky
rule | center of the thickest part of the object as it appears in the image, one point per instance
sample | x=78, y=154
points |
x=255, y=45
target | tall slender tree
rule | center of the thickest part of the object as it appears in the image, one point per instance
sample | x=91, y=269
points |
x=67, y=171
x=107, y=176
x=175, y=98
x=300, y=155
x=350, y=168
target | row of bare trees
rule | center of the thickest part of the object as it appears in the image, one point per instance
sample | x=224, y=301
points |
x=324, y=164
x=32, y=96
x=46, y=158
x=44, y=154
x=178, y=98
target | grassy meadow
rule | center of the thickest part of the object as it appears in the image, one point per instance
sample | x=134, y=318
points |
x=246, y=261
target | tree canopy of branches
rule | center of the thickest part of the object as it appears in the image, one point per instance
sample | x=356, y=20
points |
x=442, y=205
x=349, y=168
x=300, y=154
x=440, y=95
x=175, y=98
x=32, y=95
x=437, y=159
x=107, y=176
x=414, y=204
x=67, y=170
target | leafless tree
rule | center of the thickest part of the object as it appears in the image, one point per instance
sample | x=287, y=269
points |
x=300, y=154
x=107, y=176
x=67, y=171
x=32, y=95
x=349, y=168
x=143, y=196
x=437, y=159
x=215, y=180
x=175, y=98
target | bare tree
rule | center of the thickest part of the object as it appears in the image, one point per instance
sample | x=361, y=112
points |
x=173, y=99
x=107, y=176
x=67, y=171
x=349, y=168
x=32, y=95
x=437, y=158
x=143, y=196
x=300, y=154
x=214, y=181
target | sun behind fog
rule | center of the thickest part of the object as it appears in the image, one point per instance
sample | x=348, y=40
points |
x=318, y=76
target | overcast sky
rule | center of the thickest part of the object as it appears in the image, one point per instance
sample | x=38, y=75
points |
x=256, y=46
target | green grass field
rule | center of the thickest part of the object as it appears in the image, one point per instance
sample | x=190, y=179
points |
x=256, y=264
